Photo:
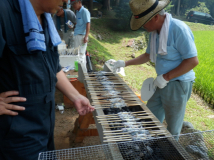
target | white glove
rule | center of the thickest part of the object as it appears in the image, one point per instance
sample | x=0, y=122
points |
x=117, y=65
x=160, y=82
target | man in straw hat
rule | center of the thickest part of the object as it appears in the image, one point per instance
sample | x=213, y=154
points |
x=171, y=47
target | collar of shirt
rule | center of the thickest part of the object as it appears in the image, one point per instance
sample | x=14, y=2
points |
x=80, y=9
x=15, y=4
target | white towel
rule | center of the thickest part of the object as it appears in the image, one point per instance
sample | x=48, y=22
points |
x=162, y=50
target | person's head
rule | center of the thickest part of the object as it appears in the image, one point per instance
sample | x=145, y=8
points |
x=60, y=12
x=49, y=6
x=148, y=14
x=76, y=4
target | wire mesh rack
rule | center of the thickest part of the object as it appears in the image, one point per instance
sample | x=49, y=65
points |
x=198, y=145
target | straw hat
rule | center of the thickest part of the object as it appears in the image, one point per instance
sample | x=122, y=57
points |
x=144, y=10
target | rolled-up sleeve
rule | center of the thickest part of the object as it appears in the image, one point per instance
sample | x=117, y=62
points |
x=87, y=17
x=2, y=42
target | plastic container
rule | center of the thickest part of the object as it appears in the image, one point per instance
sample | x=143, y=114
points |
x=69, y=60
x=76, y=65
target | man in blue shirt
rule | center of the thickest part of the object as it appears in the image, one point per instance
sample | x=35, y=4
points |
x=82, y=29
x=171, y=47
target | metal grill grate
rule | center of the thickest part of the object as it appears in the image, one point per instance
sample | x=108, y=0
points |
x=198, y=145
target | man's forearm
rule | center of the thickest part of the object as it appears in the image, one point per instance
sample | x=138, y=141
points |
x=185, y=66
x=139, y=60
x=65, y=86
x=88, y=25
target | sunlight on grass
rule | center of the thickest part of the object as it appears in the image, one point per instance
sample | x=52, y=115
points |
x=198, y=116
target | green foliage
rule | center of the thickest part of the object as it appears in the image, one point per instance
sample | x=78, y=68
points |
x=204, y=83
x=123, y=14
x=169, y=7
x=200, y=8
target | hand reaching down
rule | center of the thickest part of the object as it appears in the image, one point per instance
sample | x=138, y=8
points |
x=82, y=105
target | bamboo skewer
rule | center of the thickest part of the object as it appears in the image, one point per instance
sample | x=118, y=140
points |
x=123, y=113
x=109, y=85
x=144, y=117
x=103, y=81
x=117, y=140
x=152, y=132
x=100, y=83
x=118, y=118
x=104, y=89
x=119, y=96
x=105, y=104
x=100, y=78
x=116, y=115
x=103, y=92
x=99, y=74
x=150, y=122
x=129, y=136
x=109, y=102
x=133, y=128
x=112, y=85
x=95, y=77
x=113, y=96
x=106, y=137
x=121, y=131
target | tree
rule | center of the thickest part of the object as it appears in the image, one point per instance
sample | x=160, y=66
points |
x=169, y=7
x=200, y=8
x=123, y=14
x=107, y=4
x=91, y=6
x=178, y=7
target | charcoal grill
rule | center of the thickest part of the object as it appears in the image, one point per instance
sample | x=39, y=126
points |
x=160, y=146
x=191, y=146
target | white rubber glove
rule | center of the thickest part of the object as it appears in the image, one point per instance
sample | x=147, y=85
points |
x=160, y=82
x=117, y=65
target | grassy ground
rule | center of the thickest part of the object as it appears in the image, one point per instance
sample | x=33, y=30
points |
x=113, y=46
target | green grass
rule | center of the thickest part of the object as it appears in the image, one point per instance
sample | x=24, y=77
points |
x=113, y=46
x=205, y=70
x=199, y=116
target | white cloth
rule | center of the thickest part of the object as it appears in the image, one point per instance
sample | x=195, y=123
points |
x=162, y=49
x=78, y=42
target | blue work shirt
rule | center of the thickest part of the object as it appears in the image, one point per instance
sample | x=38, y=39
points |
x=180, y=46
x=82, y=18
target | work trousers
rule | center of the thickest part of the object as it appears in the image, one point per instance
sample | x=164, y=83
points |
x=79, y=42
x=170, y=103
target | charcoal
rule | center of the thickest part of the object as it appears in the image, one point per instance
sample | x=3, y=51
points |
x=150, y=150
x=129, y=153
x=141, y=154
x=136, y=147
x=197, y=151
